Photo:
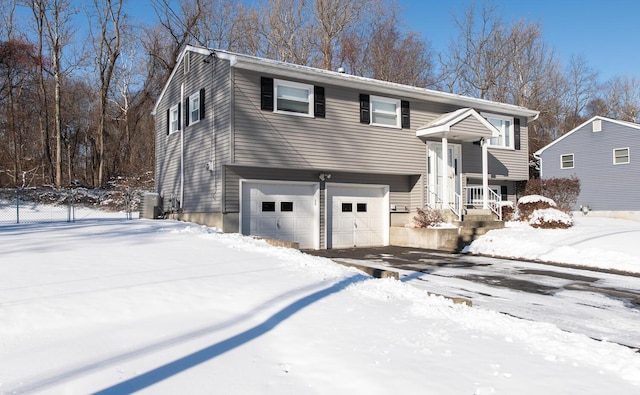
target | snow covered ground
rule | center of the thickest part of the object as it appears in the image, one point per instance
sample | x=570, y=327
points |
x=110, y=306
x=593, y=241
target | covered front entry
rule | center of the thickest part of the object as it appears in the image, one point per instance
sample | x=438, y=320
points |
x=463, y=125
x=283, y=210
x=357, y=215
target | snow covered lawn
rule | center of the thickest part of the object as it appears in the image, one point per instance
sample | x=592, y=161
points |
x=111, y=306
x=597, y=242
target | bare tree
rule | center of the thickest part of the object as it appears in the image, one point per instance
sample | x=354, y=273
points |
x=477, y=58
x=623, y=97
x=53, y=19
x=108, y=23
x=285, y=30
x=582, y=86
x=332, y=19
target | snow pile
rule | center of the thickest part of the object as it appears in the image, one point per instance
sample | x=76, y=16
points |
x=536, y=199
x=550, y=218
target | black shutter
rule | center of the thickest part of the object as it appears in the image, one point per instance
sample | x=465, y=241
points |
x=266, y=93
x=504, y=193
x=168, y=121
x=202, y=103
x=406, y=120
x=364, y=109
x=179, y=114
x=319, y=103
x=186, y=112
x=516, y=133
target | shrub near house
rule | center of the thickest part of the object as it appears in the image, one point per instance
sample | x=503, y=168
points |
x=541, y=212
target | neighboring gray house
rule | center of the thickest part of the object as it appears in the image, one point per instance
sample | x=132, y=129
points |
x=325, y=158
x=600, y=152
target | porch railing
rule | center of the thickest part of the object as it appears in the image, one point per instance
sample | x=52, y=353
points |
x=455, y=206
x=475, y=199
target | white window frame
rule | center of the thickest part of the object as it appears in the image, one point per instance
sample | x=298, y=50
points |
x=386, y=100
x=628, y=156
x=297, y=85
x=509, y=133
x=174, y=118
x=573, y=161
x=194, y=109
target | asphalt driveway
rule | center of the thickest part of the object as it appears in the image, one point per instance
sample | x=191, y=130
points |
x=598, y=303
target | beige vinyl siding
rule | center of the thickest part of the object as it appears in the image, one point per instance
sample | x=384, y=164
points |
x=399, y=185
x=469, y=124
x=504, y=164
x=338, y=141
x=204, y=141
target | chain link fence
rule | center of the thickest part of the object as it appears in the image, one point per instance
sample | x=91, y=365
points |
x=31, y=205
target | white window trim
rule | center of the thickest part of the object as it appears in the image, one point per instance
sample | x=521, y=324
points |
x=573, y=161
x=373, y=98
x=277, y=83
x=511, y=131
x=195, y=96
x=174, y=110
x=628, y=156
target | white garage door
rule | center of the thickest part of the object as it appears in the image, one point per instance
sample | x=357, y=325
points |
x=357, y=215
x=281, y=210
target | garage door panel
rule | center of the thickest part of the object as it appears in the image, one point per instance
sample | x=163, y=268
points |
x=292, y=211
x=356, y=215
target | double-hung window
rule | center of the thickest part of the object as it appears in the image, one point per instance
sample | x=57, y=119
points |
x=505, y=136
x=385, y=111
x=194, y=108
x=174, y=118
x=621, y=156
x=293, y=98
x=567, y=161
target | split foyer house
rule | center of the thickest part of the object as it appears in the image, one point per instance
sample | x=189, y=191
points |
x=600, y=153
x=324, y=158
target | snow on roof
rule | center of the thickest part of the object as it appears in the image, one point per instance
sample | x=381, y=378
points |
x=263, y=64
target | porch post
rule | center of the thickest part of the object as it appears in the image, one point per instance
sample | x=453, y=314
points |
x=445, y=172
x=485, y=175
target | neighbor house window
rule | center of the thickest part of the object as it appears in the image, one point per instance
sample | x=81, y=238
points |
x=174, y=118
x=566, y=161
x=194, y=108
x=385, y=111
x=620, y=156
x=504, y=137
x=293, y=98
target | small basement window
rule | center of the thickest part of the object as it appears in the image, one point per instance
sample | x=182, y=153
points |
x=621, y=156
x=566, y=161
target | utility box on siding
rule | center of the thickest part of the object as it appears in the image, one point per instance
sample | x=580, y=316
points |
x=151, y=206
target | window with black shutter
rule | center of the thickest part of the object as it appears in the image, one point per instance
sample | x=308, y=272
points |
x=266, y=93
x=365, y=116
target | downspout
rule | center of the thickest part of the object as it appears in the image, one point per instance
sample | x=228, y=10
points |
x=181, y=120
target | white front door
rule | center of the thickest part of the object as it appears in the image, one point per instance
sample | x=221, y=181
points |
x=436, y=170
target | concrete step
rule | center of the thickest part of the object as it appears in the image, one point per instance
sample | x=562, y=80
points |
x=489, y=224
